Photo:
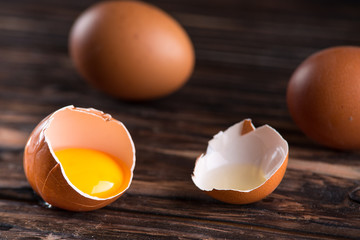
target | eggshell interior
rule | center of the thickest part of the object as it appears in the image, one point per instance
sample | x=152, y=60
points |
x=92, y=129
x=74, y=127
x=262, y=147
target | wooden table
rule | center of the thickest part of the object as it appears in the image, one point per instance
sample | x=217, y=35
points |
x=246, y=52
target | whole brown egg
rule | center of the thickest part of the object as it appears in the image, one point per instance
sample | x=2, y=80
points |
x=323, y=97
x=131, y=50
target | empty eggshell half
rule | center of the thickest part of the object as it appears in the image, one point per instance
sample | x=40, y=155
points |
x=81, y=128
x=242, y=164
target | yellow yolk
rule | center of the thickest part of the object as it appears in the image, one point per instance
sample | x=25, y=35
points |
x=93, y=172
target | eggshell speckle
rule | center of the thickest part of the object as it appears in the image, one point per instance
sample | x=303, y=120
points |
x=74, y=127
x=243, y=144
x=131, y=50
x=323, y=97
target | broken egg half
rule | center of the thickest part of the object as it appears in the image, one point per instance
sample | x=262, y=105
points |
x=79, y=159
x=242, y=164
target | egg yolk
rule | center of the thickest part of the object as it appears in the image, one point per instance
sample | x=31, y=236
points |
x=93, y=172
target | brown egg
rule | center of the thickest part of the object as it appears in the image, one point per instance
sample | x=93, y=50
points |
x=131, y=50
x=323, y=97
x=80, y=128
x=242, y=164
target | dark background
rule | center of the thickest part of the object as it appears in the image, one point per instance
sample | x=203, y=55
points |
x=246, y=52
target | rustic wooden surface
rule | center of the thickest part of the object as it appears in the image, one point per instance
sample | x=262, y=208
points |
x=246, y=52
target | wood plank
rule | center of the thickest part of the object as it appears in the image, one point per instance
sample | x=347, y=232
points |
x=246, y=52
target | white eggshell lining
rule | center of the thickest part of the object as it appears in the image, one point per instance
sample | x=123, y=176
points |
x=263, y=147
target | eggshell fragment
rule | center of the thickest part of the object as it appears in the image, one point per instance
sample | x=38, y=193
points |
x=242, y=144
x=74, y=127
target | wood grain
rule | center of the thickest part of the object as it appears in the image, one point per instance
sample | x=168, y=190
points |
x=246, y=52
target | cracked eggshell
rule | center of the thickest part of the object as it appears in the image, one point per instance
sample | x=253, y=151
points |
x=74, y=127
x=242, y=144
